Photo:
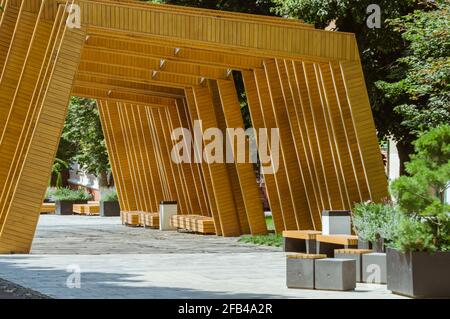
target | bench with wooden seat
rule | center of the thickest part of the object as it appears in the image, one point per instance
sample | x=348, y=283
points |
x=326, y=244
x=87, y=209
x=302, y=241
x=194, y=223
x=150, y=220
x=48, y=208
x=132, y=218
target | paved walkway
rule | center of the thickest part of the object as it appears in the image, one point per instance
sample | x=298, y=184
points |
x=92, y=235
x=146, y=264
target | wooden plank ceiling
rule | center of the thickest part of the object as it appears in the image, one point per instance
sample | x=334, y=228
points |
x=153, y=68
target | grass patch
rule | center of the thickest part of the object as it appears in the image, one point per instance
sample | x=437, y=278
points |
x=266, y=240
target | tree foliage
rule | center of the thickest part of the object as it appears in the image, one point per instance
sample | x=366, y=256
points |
x=421, y=95
x=82, y=138
x=380, y=49
x=252, y=6
x=420, y=196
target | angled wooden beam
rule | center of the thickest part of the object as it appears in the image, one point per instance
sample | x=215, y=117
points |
x=218, y=172
x=149, y=76
x=246, y=175
x=8, y=22
x=160, y=64
x=339, y=142
x=15, y=59
x=93, y=92
x=287, y=147
x=231, y=167
x=196, y=169
x=21, y=112
x=133, y=46
x=22, y=212
x=256, y=114
x=192, y=114
x=293, y=108
x=304, y=143
x=365, y=129
x=281, y=180
x=108, y=83
x=174, y=168
x=206, y=32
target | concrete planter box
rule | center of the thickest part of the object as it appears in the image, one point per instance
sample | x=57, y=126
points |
x=65, y=207
x=109, y=208
x=418, y=274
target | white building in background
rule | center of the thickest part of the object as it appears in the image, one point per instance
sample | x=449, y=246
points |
x=393, y=165
x=80, y=178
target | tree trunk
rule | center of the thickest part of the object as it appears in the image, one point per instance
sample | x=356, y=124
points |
x=110, y=179
x=405, y=149
x=103, y=179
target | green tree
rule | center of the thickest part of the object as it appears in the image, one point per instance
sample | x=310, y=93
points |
x=421, y=95
x=83, y=136
x=252, y=6
x=421, y=196
x=379, y=50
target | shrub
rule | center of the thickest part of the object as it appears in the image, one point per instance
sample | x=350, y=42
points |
x=109, y=195
x=420, y=196
x=66, y=194
x=373, y=221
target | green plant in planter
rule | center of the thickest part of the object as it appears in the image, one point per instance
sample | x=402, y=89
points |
x=420, y=196
x=375, y=221
x=109, y=195
x=66, y=194
x=49, y=192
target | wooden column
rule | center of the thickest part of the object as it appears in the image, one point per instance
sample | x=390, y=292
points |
x=194, y=168
x=287, y=147
x=218, y=172
x=281, y=179
x=117, y=169
x=245, y=172
x=21, y=214
x=231, y=167
x=254, y=105
x=358, y=101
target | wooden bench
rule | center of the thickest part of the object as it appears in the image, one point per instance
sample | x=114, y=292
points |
x=48, y=208
x=194, y=223
x=302, y=241
x=132, y=218
x=87, y=209
x=326, y=244
x=150, y=220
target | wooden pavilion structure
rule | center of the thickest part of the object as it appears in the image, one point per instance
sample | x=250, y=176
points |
x=153, y=68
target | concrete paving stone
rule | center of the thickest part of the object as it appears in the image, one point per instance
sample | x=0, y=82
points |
x=121, y=262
